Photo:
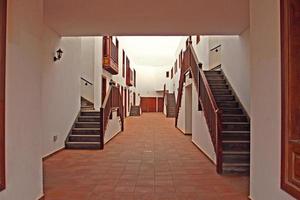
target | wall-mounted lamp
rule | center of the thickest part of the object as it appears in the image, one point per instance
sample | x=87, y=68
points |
x=58, y=56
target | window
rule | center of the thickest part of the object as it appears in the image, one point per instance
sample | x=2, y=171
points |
x=290, y=161
x=172, y=73
x=167, y=74
x=2, y=91
x=175, y=66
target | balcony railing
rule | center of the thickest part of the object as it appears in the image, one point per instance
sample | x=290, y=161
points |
x=129, y=74
x=110, y=55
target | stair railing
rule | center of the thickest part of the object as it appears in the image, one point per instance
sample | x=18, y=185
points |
x=185, y=68
x=112, y=101
x=212, y=113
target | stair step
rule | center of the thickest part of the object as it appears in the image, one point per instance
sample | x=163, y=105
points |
x=86, y=131
x=223, y=82
x=236, y=168
x=224, y=98
x=232, y=111
x=221, y=92
x=236, y=126
x=89, y=119
x=236, y=157
x=214, y=77
x=212, y=72
x=235, y=135
x=234, y=118
x=89, y=113
x=236, y=145
x=87, y=108
x=218, y=86
x=87, y=124
x=83, y=145
x=84, y=138
x=227, y=104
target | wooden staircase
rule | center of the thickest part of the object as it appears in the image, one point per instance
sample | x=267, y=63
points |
x=227, y=121
x=235, y=135
x=135, y=111
x=85, y=133
x=89, y=127
x=171, y=105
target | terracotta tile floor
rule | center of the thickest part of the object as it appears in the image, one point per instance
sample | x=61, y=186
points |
x=151, y=160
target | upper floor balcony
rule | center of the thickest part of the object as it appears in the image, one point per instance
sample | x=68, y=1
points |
x=129, y=74
x=111, y=55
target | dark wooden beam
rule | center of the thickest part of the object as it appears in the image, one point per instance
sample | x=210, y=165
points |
x=3, y=16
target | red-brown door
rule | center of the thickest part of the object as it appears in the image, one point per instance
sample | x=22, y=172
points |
x=148, y=104
x=3, y=8
x=290, y=34
x=104, y=88
x=160, y=104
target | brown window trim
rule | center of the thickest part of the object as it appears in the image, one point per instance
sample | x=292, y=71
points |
x=3, y=11
x=290, y=149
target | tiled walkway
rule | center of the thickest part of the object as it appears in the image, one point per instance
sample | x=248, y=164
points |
x=151, y=160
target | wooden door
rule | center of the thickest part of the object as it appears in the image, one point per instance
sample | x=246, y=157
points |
x=148, y=104
x=3, y=9
x=160, y=104
x=290, y=35
x=104, y=88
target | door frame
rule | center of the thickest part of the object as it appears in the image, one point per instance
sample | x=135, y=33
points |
x=290, y=147
x=3, y=27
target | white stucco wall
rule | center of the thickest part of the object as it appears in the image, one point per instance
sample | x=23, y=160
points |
x=87, y=67
x=265, y=101
x=150, y=80
x=181, y=114
x=113, y=127
x=235, y=60
x=184, y=122
x=60, y=89
x=23, y=101
x=200, y=133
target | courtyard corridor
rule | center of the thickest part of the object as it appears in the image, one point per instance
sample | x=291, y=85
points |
x=150, y=160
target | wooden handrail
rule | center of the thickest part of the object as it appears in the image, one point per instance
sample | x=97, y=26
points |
x=113, y=100
x=209, y=106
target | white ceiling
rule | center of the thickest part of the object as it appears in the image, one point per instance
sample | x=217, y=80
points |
x=151, y=51
x=147, y=17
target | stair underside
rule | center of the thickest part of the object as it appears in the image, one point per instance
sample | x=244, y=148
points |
x=235, y=134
